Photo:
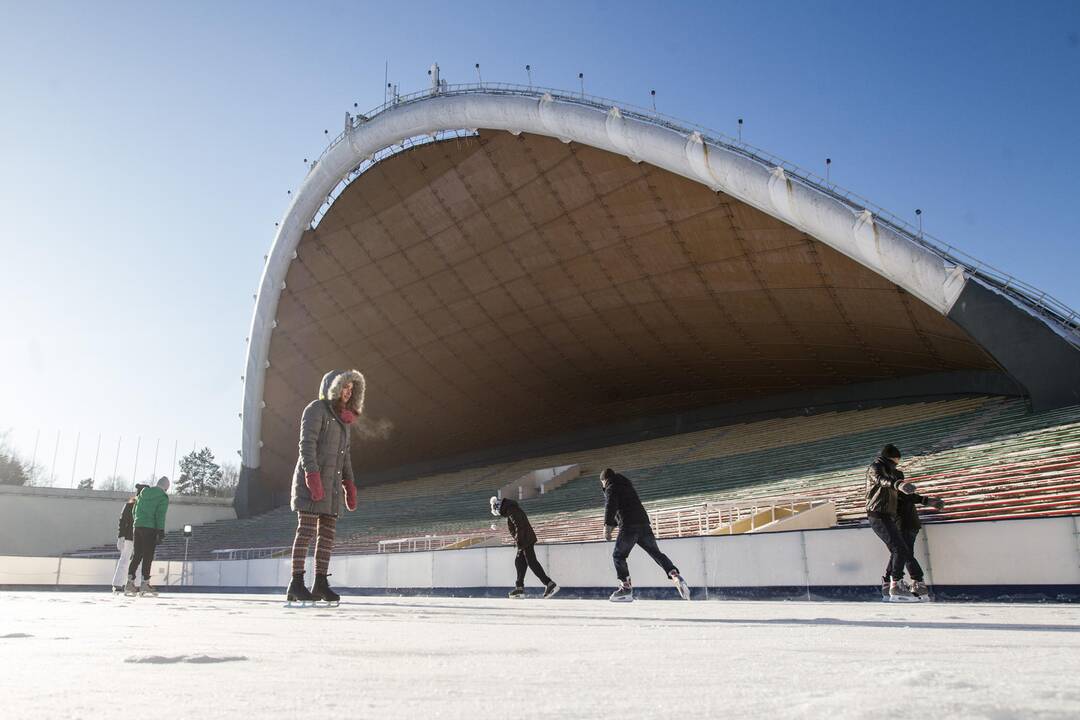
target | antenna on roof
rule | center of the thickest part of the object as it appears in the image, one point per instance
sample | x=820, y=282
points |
x=433, y=73
x=581, y=79
x=653, y=94
x=740, y=129
x=828, y=163
x=528, y=69
x=479, y=79
x=918, y=214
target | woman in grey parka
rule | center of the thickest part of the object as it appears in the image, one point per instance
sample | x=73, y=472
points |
x=323, y=479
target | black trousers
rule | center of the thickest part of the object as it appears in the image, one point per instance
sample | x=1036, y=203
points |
x=143, y=552
x=914, y=569
x=901, y=547
x=526, y=557
x=631, y=535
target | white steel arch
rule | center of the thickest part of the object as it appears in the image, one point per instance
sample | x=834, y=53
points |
x=931, y=276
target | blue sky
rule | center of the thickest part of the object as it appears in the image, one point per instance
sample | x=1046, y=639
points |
x=146, y=150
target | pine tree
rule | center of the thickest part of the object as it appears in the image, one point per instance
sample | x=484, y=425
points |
x=199, y=474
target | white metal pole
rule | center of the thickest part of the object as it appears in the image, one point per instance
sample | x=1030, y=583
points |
x=75, y=459
x=135, y=468
x=52, y=470
x=97, y=453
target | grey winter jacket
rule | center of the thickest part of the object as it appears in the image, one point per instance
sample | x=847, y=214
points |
x=324, y=445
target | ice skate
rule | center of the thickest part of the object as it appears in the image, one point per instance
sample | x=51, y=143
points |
x=885, y=588
x=920, y=591
x=321, y=591
x=623, y=593
x=147, y=590
x=551, y=590
x=517, y=593
x=297, y=592
x=129, y=589
x=680, y=585
x=898, y=592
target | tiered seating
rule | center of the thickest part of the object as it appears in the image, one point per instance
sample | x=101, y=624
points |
x=988, y=457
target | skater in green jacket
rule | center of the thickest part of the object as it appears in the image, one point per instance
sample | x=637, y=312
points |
x=149, y=522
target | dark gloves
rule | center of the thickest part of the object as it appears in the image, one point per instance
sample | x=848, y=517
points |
x=608, y=530
x=936, y=503
x=350, y=494
x=160, y=535
x=313, y=480
x=906, y=488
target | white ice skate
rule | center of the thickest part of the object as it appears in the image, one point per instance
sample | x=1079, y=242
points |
x=129, y=589
x=920, y=591
x=681, y=586
x=147, y=590
x=898, y=592
x=623, y=593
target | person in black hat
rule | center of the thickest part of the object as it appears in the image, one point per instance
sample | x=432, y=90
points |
x=623, y=508
x=517, y=522
x=885, y=485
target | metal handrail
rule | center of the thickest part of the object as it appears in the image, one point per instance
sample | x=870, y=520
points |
x=1038, y=299
x=427, y=542
x=698, y=518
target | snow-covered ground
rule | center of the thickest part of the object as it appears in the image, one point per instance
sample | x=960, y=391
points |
x=216, y=656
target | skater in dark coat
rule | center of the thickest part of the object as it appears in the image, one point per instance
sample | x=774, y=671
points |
x=517, y=522
x=885, y=484
x=623, y=509
x=907, y=513
x=125, y=539
x=323, y=479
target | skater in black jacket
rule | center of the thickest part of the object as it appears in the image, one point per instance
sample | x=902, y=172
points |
x=623, y=508
x=517, y=522
x=907, y=513
x=885, y=485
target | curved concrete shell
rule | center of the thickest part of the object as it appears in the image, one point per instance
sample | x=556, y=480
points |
x=562, y=266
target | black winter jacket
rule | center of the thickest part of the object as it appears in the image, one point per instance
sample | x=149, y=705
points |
x=907, y=510
x=882, y=479
x=622, y=505
x=517, y=522
x=127, y=520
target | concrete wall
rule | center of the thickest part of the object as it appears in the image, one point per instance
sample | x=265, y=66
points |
x=50, y=521
x=1014, y=559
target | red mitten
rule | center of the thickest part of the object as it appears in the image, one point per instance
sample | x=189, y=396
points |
x=350, y=494
x=313, y=480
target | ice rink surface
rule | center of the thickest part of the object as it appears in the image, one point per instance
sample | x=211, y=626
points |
x=82, y=655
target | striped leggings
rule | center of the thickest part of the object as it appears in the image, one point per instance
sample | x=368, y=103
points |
x=307, y=525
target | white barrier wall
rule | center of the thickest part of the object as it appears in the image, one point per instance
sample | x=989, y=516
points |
x=1041, y=552
x=51, y=521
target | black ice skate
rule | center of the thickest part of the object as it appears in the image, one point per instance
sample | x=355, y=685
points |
x=321, y=591
x=680, y=585
x=147, y=590
x=298, y=592
x=551, y=589
x=517, y=593
x=624, y=593
x=129, y=589
x=885, y=588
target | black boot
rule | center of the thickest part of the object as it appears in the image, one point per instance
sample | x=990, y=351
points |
x=297, y=591
x=321, y=591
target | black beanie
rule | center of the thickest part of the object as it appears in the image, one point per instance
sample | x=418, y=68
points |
x=890, y=451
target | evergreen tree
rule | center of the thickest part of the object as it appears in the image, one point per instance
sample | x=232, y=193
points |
x=199, y=474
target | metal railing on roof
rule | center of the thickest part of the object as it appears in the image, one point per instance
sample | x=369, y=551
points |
x=1046, y=304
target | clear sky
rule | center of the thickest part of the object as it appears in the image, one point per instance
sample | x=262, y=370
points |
x=146, y=150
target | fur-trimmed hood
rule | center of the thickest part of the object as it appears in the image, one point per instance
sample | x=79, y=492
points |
x=334, y=381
